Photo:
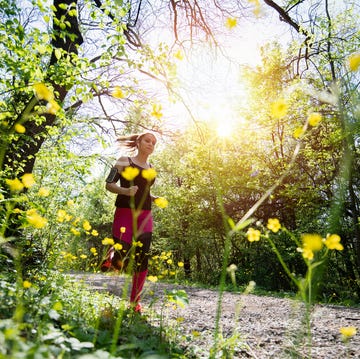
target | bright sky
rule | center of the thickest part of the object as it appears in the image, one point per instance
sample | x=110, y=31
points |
x=211, y=81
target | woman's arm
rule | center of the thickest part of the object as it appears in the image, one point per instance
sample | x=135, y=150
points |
x=113, y=177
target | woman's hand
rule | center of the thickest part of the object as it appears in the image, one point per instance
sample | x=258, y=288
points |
x=132, y=190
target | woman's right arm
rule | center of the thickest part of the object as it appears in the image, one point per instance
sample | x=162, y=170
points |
x=113, y=177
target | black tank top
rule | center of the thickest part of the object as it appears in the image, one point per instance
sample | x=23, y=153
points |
x=142, y=196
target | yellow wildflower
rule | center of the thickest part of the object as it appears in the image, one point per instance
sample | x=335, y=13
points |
x=28, y=180
x=179, y=55
x=156, y=111
x=231, y=22
x=180, y=264
x=117, y=92
x=14, y=184
x=118, y=247
x=58, y=306
x=313, y=242
x=122, y=229
x=257, y=7
x=74, y=231
x=354, y=61
x=278, y=109
x=52, y=107
x=274, y=225
x=169, y=261
x=314, y=119
x=34, y=219
x=93, y=251
x=61, y=215
x=348, y=332
x=107, y=241
x=298, y=132
x=94, y=233
x=83, y=256
x=253, y=235
x=129, y=173
x=307, y=253
x=161, y=202
x=332, y=241
x=86, y=225
x=26, y=284
x=19, y=128
x=43, y=192
x=152, y=278
x=43, y=93
x=149, y=174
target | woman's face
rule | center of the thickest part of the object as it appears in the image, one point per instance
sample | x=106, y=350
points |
x=147, y=143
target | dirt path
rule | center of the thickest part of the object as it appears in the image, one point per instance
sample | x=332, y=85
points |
x=262, y=327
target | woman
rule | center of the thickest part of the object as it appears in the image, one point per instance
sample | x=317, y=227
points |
x=133, y=223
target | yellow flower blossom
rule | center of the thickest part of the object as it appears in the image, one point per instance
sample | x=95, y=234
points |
x=354, y=61
x=311, y=243
x=94, y=233
x=274, y=225
x=43, y=192
x=129, y=173
x=118, y=246
x=152, y=278
x=179, y=55
x=253, y=235
x=93, y=251
x=86, y=225
x=230, y=22
x=156, y=111
x=74, y=231
x=161, y=202
x=257, y=7
x=181, y=264
x=122, y=229
x=26, y=284
x=137, y=244
x=19, y=128
x=314, y=119
x=169, y=261
x=298, y=132
x=107, y=241
x=34, y=219
x=279, y=108
x=42, y=92
x=117, y=92
x=61, y=215
x=149, y=174
x=52, y=107
x=348, y=332
x=332, y=241
x=83, y=256
x=58, y=306
x=15, y=184
x=307, y=253
x=28, y=180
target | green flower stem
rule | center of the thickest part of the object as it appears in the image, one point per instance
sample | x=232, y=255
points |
x=282, y=262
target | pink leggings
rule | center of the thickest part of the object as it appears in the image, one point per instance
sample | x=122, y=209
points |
x=123, y=218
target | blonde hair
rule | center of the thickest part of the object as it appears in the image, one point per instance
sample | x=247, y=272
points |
x=131, y=141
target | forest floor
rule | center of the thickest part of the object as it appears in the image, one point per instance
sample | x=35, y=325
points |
x=256, y=326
